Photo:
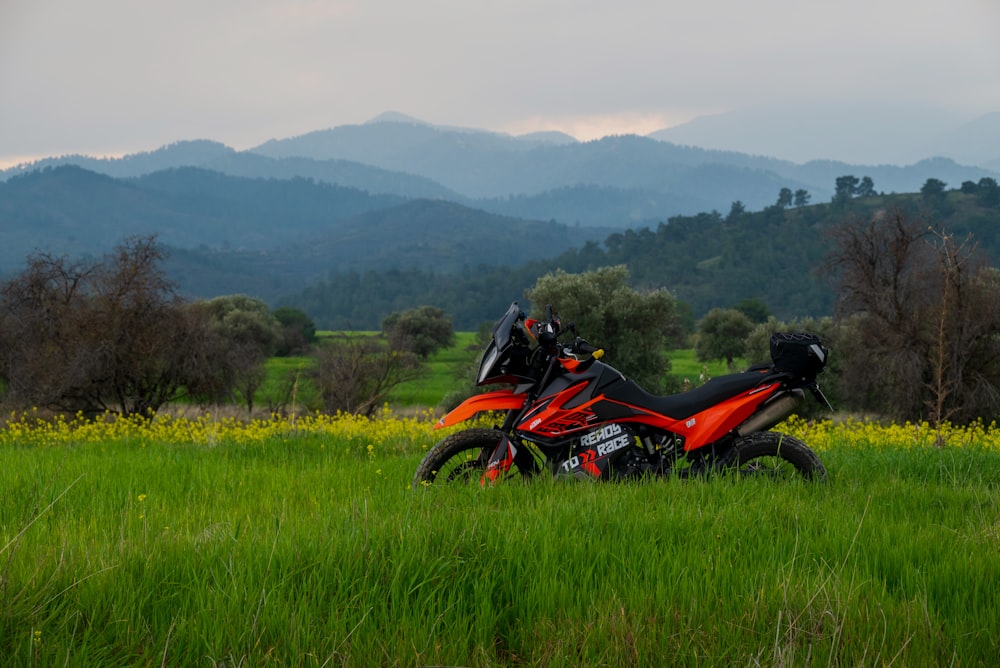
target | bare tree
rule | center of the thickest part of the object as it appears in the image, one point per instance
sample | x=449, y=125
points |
x=885, y=285
x=39, y=315
x=964, y=346
x=108, y=335
x=356, y=374
x=133, y=308
x=922, y=317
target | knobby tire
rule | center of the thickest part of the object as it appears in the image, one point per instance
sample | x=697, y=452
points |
x=461, y=457
x=771, y=453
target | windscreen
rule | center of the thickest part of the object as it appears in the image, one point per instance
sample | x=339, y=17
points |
x=501, y=333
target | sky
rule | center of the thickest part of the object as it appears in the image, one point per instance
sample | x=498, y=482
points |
x=111, y=77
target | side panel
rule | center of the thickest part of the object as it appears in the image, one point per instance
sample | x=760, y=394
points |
x=565, y=413
x=559, y=414
x=715, y=422
x=498, y=400
x=597, y=450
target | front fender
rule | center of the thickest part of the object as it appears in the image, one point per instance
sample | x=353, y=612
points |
x=497, y=400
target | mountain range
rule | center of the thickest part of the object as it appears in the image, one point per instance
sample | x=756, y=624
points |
x=636, y=179
x=266, y=236
x=846, y=132
x=399, y=192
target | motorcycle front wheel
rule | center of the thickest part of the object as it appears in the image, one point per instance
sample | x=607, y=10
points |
x=773, y=455
x=462, y=458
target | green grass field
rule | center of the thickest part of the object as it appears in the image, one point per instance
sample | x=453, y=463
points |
x=685, y=365
x=444, y=371
x=284, y=544
x=446, y=367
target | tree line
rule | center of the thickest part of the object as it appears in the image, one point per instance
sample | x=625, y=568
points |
x=915, y=323
x=915, y=332
x=112, y=335
x=707, y=260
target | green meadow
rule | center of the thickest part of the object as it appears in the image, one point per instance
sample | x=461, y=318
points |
x=288, y=383
x=278, y=544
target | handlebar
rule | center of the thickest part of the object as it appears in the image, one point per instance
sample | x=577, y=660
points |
x=581, y=346
x=549, y=330
x=547, y=333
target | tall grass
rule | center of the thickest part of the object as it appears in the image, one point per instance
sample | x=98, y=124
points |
x=288, y=385
x=293, y=545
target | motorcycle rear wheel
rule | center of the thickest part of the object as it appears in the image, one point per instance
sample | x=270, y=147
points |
x=461, y=458
x=774, y=455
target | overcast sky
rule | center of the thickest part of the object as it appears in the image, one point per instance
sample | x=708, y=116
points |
x=106, y=77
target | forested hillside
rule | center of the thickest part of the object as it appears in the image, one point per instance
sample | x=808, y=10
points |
x=776, y=255
x=266, y=237
x=356, y=222
x=73, y=211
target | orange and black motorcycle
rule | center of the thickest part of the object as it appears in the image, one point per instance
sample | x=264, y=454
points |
x=571, y=415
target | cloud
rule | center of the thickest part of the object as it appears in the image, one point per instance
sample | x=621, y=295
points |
x=586, y=128
x=113, y=75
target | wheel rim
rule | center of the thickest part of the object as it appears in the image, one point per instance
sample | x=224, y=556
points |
x=467, y=471
x=774, y=468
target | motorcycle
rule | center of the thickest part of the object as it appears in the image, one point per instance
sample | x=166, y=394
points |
x=572, y=415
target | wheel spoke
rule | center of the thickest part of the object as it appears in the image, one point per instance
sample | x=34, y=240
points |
x=460, y=458
x=772, y=467
x=775, y=455
x=464, y=472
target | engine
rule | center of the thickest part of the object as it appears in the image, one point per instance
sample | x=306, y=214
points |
x=634, y=463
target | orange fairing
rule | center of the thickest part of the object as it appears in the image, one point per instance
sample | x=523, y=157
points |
x=570, y=364
x=498, y=400
x=713, y=423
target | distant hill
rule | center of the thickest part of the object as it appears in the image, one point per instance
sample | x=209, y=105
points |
x=484, y=165
x=437, y=235
x=268, y=236
x=72, y=211
x=216, y=157
x=430, y=236
x=397, y=203
x=69, y=210
x=337, y=172
x=776, y=256
x=847, y=132
x=195, y=153
x=349, y=257
x=619, y=181
x=974, y=143
x=487, y=165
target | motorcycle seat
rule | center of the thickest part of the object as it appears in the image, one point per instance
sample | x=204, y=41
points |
x=686, y=404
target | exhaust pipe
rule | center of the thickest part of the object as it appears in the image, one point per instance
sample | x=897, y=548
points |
x=772, y=412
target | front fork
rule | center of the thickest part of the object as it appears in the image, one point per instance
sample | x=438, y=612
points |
x=507, y=452
x=500, y=460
